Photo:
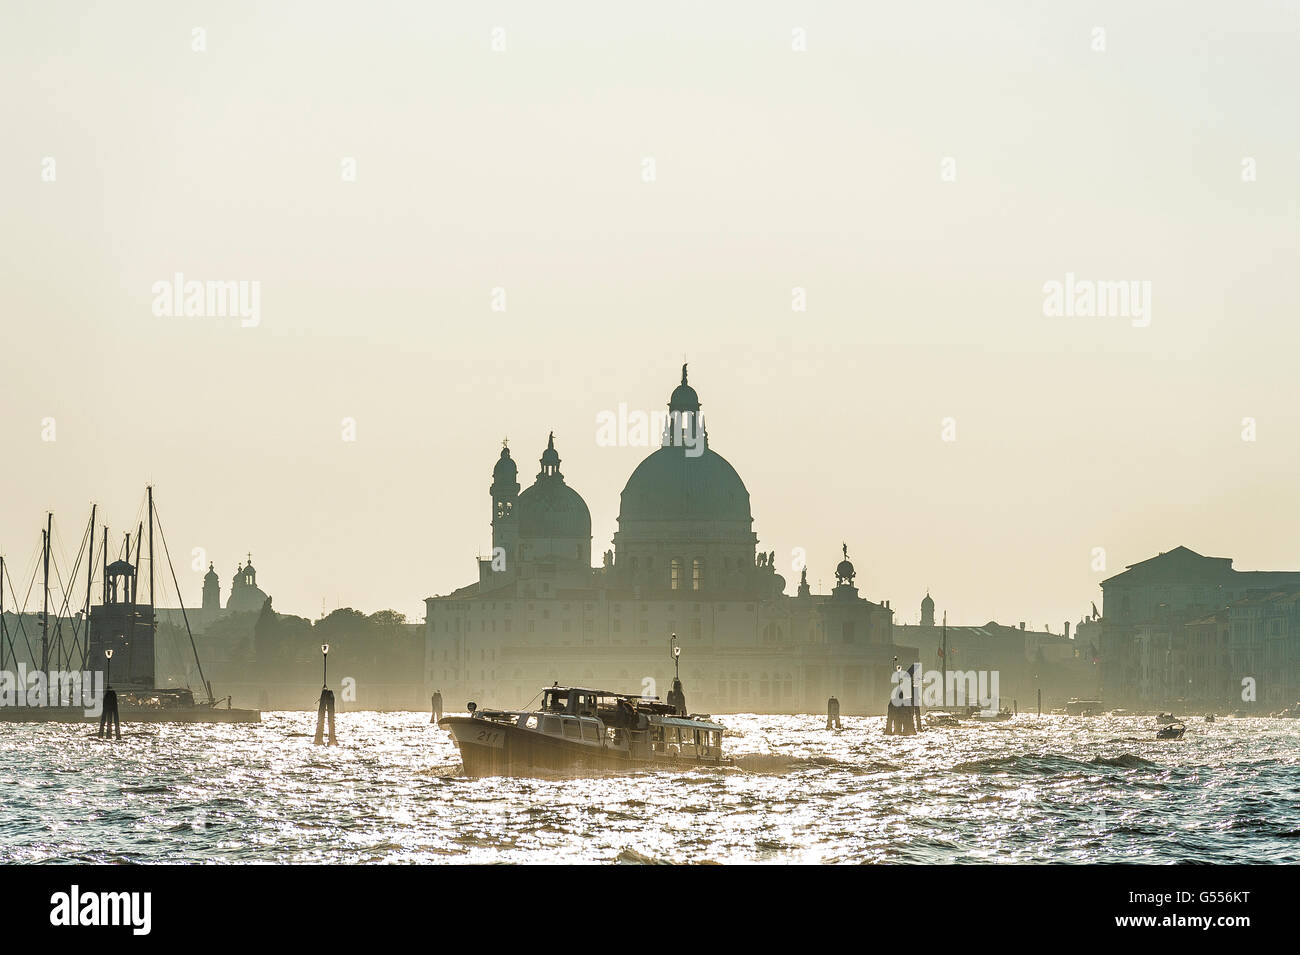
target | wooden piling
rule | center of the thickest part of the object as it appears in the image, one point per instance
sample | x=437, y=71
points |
x=833, y=714
x=325, y=711
x=109, y=712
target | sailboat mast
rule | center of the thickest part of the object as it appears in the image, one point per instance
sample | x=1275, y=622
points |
x=45, y=591
x=90, y=572
x=153, y=624
x=944, y=658
x=3, y=630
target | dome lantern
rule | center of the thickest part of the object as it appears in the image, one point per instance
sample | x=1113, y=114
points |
x=550, y=459
x=684, y=399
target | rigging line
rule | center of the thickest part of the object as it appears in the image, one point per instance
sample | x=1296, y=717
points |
x=31, y=654
x=171, y=631
x=36, y=566
x=67, y=597
x=58, y=629
x=184, y=616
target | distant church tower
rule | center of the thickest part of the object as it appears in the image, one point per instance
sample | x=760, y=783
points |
x=505, y=492
x=927, y=611
x=211, y=590
x=245, y=595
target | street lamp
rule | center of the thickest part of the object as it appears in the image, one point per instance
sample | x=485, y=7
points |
x=324, y=662
x=677, y=656
x=108, y=669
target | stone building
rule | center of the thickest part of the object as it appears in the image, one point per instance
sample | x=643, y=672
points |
x=684, y=560
x=1184, y=629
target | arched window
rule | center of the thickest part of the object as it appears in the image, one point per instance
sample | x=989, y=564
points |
x=676, y=573
x=697, y=574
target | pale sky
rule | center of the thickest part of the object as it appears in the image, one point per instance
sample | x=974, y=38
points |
x=775, y=169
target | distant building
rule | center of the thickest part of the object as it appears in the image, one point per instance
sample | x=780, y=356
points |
x=685, y=561
x=1181, y=628
x=1025, y=660
x=245, y=595
x=222, y=649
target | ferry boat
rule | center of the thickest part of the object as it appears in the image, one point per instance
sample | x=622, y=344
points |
x=579, y=730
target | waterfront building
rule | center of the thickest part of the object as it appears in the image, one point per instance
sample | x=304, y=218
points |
x=684, y=560
x=1184, y=629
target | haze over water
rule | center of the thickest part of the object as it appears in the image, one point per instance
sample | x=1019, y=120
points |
x=1049, y=789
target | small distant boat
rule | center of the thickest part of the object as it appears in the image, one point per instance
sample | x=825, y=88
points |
x=1209, y=718
x=1167, y=719
x=1077, y=707
x=986, y=717
x=1174, y=730
x=940, y=718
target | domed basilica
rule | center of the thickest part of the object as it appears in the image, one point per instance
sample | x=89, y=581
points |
x=684, y=560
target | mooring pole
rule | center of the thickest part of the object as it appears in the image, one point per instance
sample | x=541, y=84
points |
x=325, y=709
x=109, y=709
x=677, y=695
x=1040, y=701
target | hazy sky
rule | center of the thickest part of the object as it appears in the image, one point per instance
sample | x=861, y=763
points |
x=775, y=169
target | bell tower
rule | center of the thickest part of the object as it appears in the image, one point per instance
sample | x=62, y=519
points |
x=211, y=589
x=505, y=493
x=927, y=610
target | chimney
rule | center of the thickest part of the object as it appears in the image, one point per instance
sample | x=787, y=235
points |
x=1067, y=630
x=1022, y=625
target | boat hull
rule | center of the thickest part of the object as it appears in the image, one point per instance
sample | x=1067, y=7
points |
x=69, y=714
x=489, y=748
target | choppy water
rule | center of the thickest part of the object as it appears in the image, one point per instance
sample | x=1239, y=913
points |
x=1046, y=790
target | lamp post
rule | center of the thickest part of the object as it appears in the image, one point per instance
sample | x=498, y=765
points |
x=108, y=667
x=324, y=663
x=677, y=657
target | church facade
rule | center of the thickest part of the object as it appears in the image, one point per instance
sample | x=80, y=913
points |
x=684, y=561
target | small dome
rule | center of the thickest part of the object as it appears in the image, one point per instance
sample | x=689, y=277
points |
x=928, y=602
x=844, y=572
x=211, y=574
x=550, y=509
x=505, y=468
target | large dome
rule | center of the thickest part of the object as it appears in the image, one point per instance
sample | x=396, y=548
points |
x=670, y=485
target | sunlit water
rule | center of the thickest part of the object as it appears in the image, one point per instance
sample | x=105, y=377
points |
x=1053, y=789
